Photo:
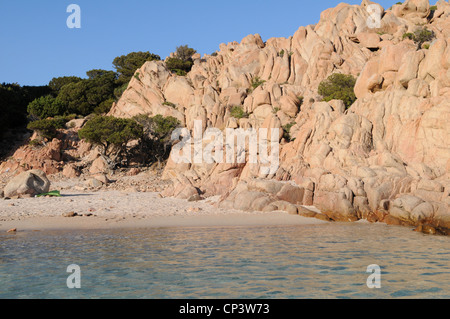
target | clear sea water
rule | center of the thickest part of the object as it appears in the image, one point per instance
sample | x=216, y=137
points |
x=276, y=262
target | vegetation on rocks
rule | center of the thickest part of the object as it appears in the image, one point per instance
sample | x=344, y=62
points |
x=287, y=131
x=47, y=128
x=338, y=87
x=126, y=65
x=109, y=131
x=256, y=82
x=94, y=94
x=156, y=140
x=46, y=106
x=182, y=62
x=238, y=112
x=420, y=36
x=13, y=104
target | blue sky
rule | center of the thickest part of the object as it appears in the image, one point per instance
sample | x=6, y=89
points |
x=37, y=45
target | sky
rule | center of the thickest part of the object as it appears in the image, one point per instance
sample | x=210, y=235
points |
x=36, y=44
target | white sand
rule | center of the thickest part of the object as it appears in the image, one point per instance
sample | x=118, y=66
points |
x=118, y=209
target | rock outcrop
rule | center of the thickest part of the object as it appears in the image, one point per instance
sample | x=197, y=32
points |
x=27, y=184
x=386, y=158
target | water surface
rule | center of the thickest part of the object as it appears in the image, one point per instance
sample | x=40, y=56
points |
x=271, y=262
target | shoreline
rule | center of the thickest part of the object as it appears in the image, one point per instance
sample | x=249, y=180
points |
x=105, y=210
x=95, y=223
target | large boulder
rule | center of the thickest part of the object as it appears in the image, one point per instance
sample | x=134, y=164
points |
x=28, y=184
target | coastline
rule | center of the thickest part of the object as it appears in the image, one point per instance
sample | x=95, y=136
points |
x=130, y=210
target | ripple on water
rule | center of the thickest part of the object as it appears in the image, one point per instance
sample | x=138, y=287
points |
x=314, y=261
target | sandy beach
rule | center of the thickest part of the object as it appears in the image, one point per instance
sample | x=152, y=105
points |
x=122, y=209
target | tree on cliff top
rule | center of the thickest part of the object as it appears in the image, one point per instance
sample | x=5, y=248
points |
x=126, y=65
x=182, y=62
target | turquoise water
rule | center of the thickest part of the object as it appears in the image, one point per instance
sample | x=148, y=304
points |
x=311, y=261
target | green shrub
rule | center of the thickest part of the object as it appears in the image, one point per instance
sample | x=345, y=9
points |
x=238, y=112
x=433, y=8
x=35, y=143
x=338, y=87
x=408, y=35
x=158, y=126
x=46, y=106
x=48, y=128
x=423, y=35
x=82, y=98
x=167, y=103
x=118, y=92
x=256, y=82
x=182, y=62
x=179, y=66
x=126, y=65
x=420, y=36
x=104, y=107
x=14, y=100
x=185, y=53
x=57, y=83
x=287, y=131
x=156, y=142
x=108, y=130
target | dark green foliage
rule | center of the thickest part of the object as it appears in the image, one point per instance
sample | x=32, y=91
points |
x=46, y=106
x=182, y=63
x=158, y=126
x=13, y=104
x=338, y=87
x=238, y=112
x=287, y=131
x=408, y=35
x=179, y=66
x=156, y=141
x=256, y=82
x=35, y=143
x=89, y=95
x=420, y=36
x=48, y=128
x=57, y=83
x=423, y=35
x=185, y=53
x=105, y=106
x=167, y=103
x=126, y=65
x=119, y=91
x=108, y=130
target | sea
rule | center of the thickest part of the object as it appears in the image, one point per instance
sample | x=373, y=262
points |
x=323, y=261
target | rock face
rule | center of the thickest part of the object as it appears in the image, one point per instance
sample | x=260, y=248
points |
x=386, y=158
x=28, y=184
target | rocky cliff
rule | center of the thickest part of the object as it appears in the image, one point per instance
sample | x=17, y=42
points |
x=386, y=158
